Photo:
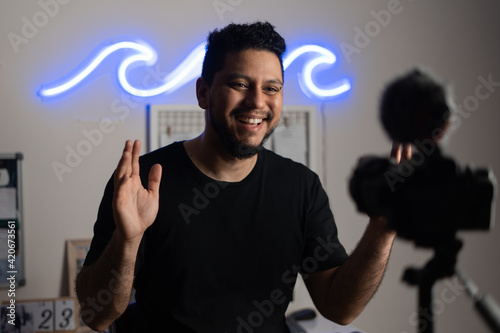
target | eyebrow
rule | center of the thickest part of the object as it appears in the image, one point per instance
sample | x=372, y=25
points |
x=246, y=77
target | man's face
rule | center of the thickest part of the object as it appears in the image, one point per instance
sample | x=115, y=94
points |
x=245, y=100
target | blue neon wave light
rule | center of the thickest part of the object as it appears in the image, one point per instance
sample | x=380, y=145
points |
x=189, y=69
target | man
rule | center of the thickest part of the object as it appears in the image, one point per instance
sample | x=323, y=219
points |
x=213, y=231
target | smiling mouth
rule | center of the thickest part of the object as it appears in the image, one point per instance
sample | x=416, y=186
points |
x=250, y=121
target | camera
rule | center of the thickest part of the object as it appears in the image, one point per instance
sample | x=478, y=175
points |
x=430, y=196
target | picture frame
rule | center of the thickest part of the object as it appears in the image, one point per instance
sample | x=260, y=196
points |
x=76, y=251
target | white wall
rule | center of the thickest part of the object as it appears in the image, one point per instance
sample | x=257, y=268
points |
x=454, y=38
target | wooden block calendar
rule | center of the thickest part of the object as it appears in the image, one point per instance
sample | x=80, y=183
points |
x=41, y=315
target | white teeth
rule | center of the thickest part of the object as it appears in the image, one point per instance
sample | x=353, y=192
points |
x=251, y=120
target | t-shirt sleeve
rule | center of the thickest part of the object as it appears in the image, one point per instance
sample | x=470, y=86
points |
x=322, y=249
x=103, y=227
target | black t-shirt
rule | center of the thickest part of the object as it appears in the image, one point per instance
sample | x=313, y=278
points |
x=224, y=257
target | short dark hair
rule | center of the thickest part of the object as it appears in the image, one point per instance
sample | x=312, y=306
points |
x=240, y=37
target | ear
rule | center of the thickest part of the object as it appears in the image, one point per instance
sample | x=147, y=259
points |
x=202, y=93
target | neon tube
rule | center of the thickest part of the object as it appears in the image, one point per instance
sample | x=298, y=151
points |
x=189, y=69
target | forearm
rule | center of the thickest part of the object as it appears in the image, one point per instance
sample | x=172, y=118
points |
x=104, y=287
x=356, y=281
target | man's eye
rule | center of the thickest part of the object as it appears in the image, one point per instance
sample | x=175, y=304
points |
x=238, y=85
x=272, y=89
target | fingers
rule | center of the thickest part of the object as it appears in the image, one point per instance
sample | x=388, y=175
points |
x=135, y=157
x=123, y=168
x=129, y=166
x=406, y=153
x=395, y=151
x=154, y=179
x=400, y=151
x=129, y=162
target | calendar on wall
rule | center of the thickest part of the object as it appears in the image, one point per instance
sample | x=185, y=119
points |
x=292, y=138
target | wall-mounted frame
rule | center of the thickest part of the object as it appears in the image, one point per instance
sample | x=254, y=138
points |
x=76, y=251
x=293, y=137
x=12, y=254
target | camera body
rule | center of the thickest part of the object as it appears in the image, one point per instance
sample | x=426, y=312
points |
x=429, y=197
x=426, y=198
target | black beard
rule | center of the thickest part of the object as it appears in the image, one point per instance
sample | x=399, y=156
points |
x=236, y=148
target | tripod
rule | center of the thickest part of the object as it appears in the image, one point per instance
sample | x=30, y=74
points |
x=442, y=266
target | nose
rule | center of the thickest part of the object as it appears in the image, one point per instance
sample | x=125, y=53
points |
x=255, y=98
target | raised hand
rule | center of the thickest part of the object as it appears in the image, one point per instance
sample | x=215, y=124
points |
x=134, y=207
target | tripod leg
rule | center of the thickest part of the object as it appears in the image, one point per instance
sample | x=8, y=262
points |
x=425, y=314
